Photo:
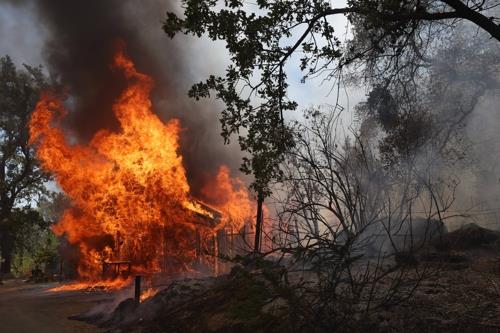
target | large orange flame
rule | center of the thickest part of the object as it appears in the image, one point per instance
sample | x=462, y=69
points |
x=229, y=196
x=129, y=191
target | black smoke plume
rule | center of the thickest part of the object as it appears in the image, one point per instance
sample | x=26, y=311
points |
x=79, y=50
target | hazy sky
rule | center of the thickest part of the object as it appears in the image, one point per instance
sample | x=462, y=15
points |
x=22, y=37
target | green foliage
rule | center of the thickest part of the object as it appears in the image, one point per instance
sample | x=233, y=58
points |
x=390, y=38
x=22, y=181
x=21, y=178
x=34, y=244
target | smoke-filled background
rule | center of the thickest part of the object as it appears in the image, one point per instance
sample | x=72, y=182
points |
x=75, y=41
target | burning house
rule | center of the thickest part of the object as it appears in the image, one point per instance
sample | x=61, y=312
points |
x=131, y=205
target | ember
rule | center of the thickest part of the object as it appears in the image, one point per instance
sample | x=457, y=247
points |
x=130, y=195
x=148, y=293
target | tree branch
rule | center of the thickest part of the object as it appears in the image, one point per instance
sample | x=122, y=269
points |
x=476, y=17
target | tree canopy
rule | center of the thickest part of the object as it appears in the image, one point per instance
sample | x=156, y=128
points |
x=21, y=179
x=389, y=40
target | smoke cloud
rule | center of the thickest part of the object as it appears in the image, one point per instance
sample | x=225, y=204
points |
x=78, y=50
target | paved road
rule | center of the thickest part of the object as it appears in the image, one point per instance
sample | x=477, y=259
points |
x=29, y=308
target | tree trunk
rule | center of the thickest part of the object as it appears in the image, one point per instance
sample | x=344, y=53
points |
x=7, y=263
x=6, y=252
x=258, y=224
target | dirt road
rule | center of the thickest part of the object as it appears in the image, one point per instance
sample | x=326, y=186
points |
x=29, y=308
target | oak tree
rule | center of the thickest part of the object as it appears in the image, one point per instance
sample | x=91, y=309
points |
x=21, y=179
x=388, y=39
